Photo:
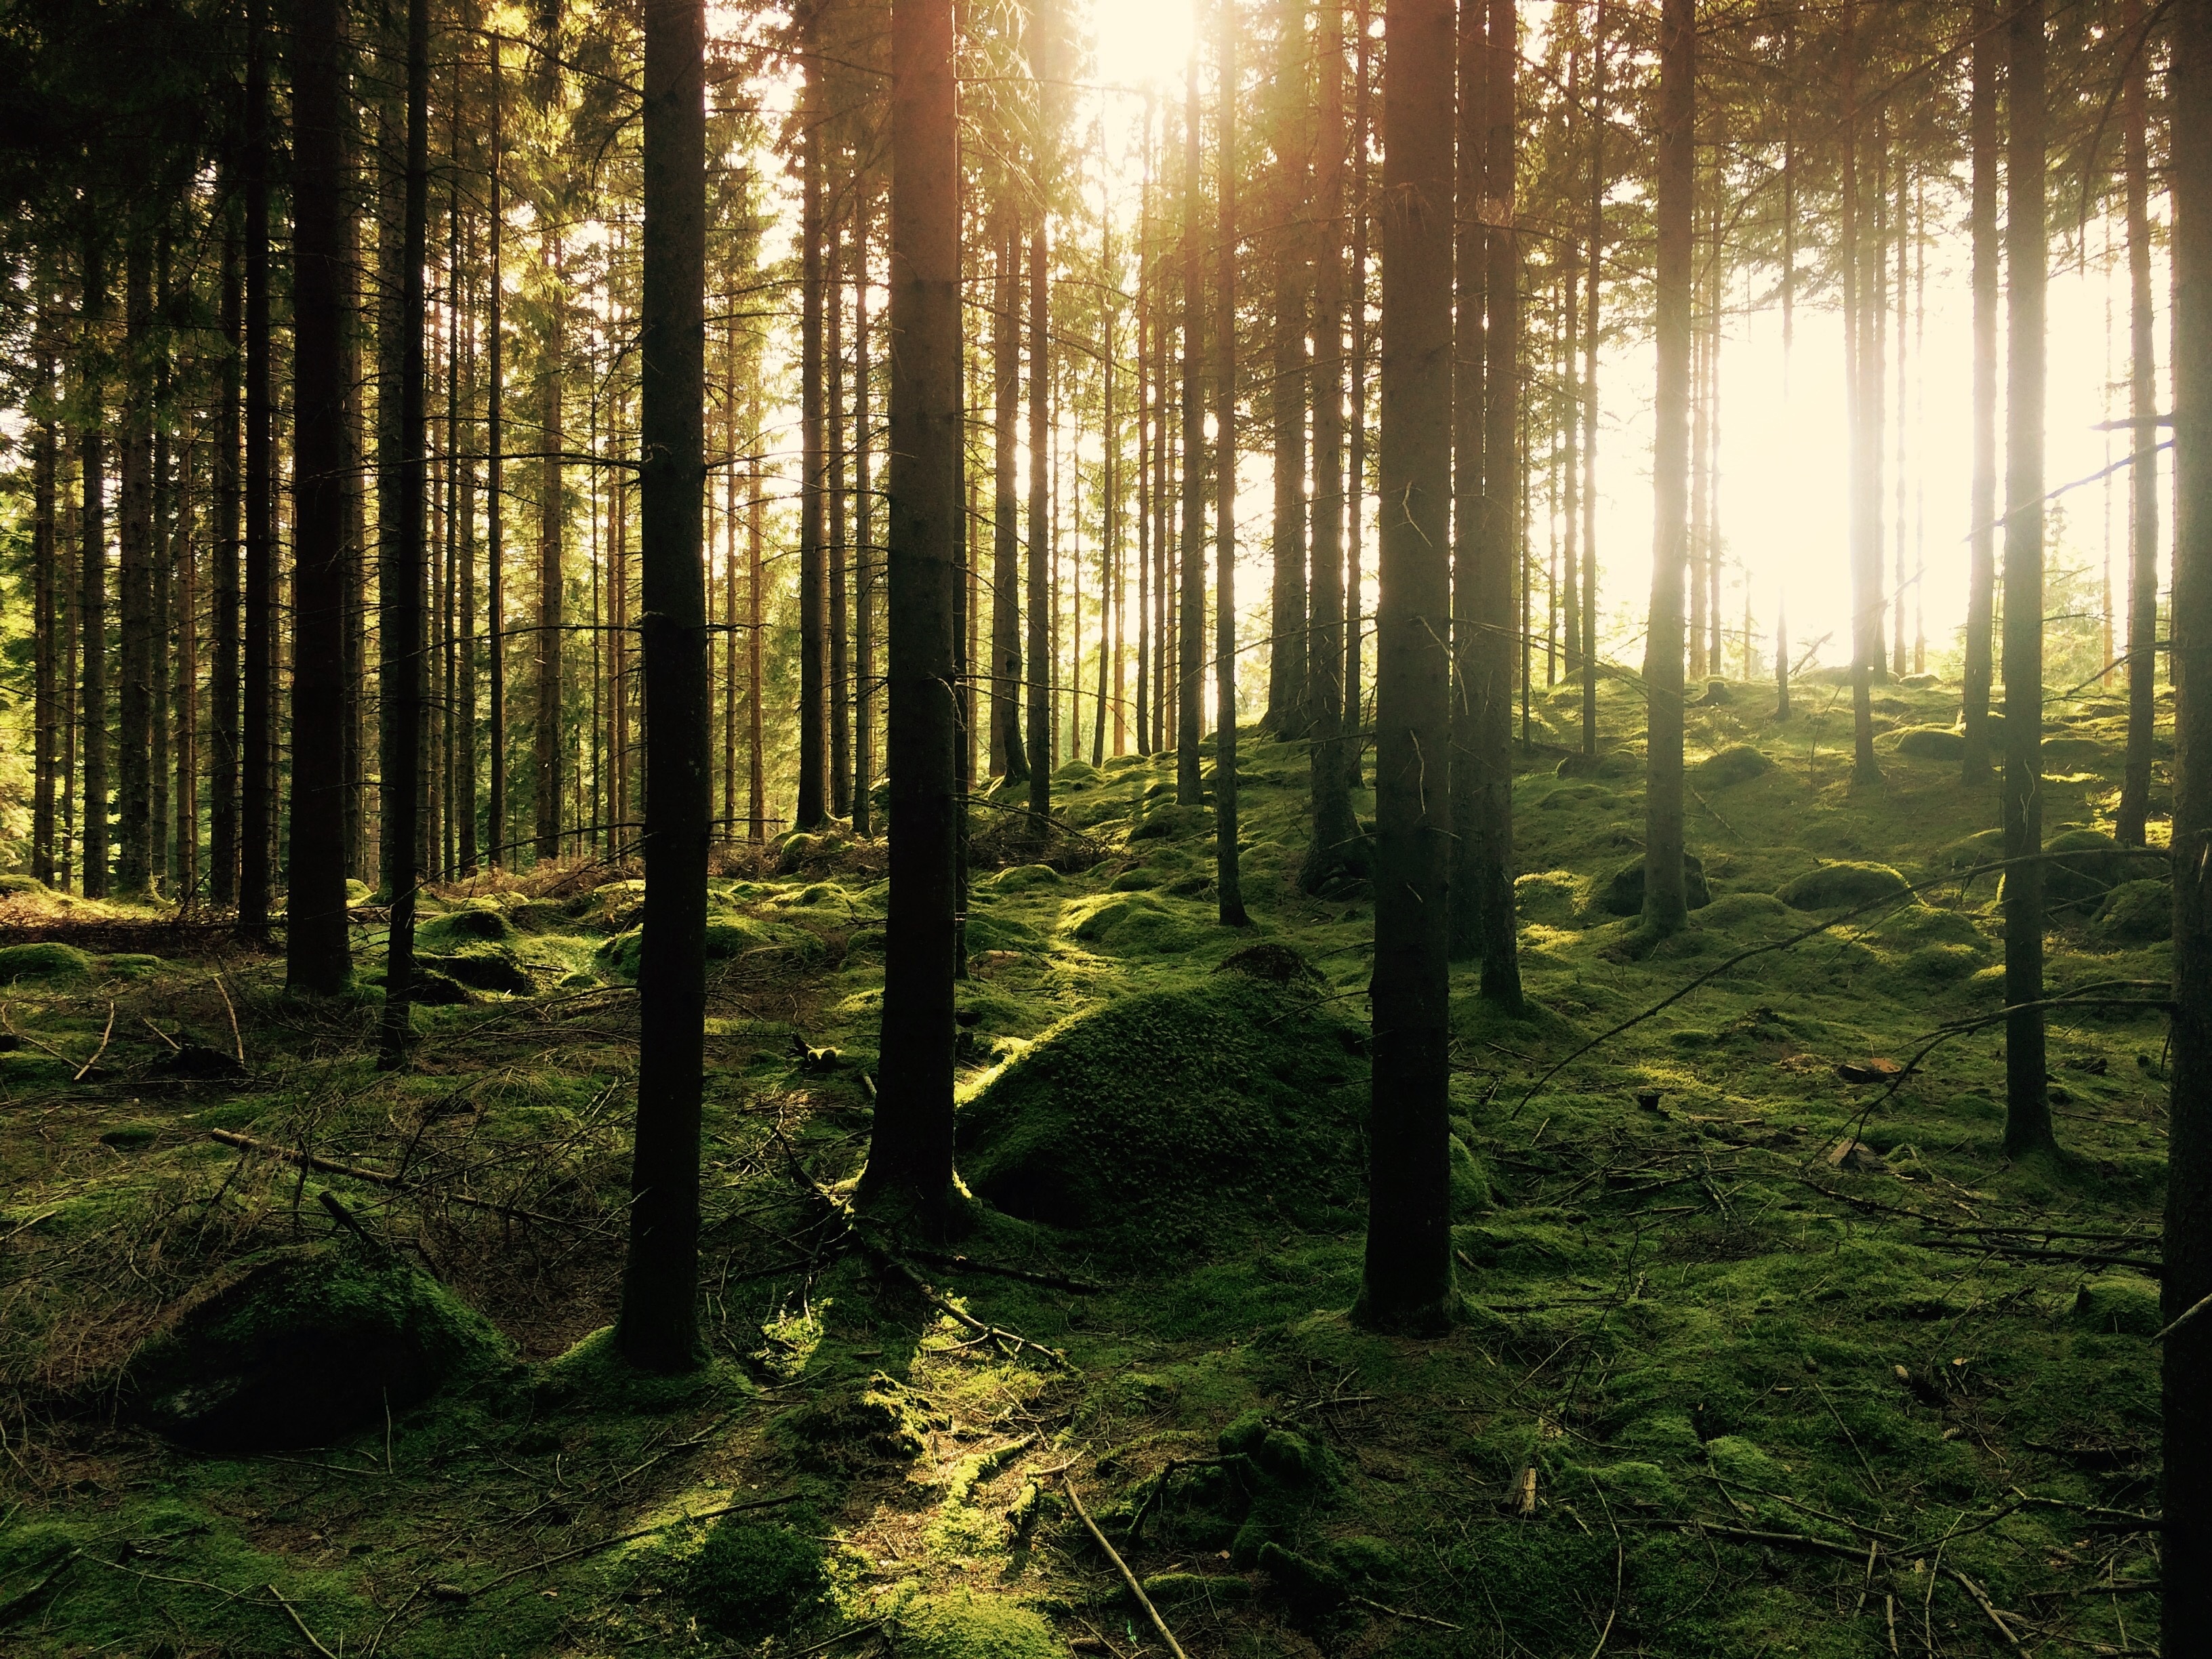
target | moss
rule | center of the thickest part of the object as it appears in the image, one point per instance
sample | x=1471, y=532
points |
x=1178, y=1590
x=1023, y=877
x=24, y=887
x=482, y=968
x=1139, y=880
x=1548, y=896
x=131, y=964
x=297, y=1347
x=617, y=957
x=474, y=924
x=131, y=1137
x=1175, y=1119
x=1843, y=886
x=1173, y=823
x=1622, y=892
x=990, y=932
x=1930, y=743
x=1747, y=916
x=2120, y=1305
x=853, y=1427
x=45, y=960
x=725, y=939
x=1738, y=763
x=1309, y=1586
x=975, y=1627
x=2136, y=913
x=1470, y=1184
x=2092, y=864
x=749, y=1579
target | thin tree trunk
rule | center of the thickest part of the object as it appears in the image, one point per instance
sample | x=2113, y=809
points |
x=258, y=792
x=2028, y=1107
x=841, y=664
x=1355, y=533
x=316, y=955
x=550, y=754
x=1470, y=283
x=658, y=1326
x=1982, y=491
x=909, y=1165
x=399, y=582
x=864, y=637
x=813, y=808
x=2142, y=409
x=1865, y=454
x=188, y=701
x=1228, y=879
x=1039, y=598
x=1497, y=561
x=92, y=585
x=157, y=628
x=1190, y=649
x=134, y=725
x=1407, y=1279
x=223, y=668
x=45, y=583
x=2185, y=1543
x=1287, y=711
x=1590, y=406
x=1148, y=412
x=1334, y=845
x=1666, y=896
x=1009, y=759
x=495, y=791
x=756, y=764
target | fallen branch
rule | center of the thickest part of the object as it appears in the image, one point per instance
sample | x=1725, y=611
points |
x=455, y=1593
x=968, y=1264
x=300, y=1624
x=236, y=1039
x=104, y=1037
x=378, y=1177
x=1122, y=1567
x=1417, y=1618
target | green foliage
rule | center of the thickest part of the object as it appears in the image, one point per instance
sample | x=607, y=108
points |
x=749, y=1577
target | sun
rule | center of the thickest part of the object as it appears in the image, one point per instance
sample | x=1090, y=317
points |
x=1142, y=43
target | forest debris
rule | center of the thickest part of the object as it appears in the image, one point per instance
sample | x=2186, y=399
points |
x=300, y=1624
x=1122, y=1567
x=445, y=1592
x=1856, y=1156
x=375, y=1177
x=1869, y=1071
x=1521, y=1491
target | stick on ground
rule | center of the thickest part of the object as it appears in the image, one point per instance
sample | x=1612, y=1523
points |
x=1127, y=1578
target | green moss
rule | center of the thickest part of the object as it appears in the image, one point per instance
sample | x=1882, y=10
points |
x=1843, y=886
x=132, y=964
x=475, y=924
x=1021, y=878
x=2136, y=913
x=1738, y=763
x=2092, y=865
x=725, y=939
x=1175, y=1119
x=2120, y=1303
x=987, y=931
x=965, y=1626
x=1622, y=892
x=1930, y=743
x=749, y=1578
x=1179, y=1589
x=45, y=960
x=1173, y=823
x=1470, y=1185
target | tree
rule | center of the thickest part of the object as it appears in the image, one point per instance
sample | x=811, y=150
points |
x=92, y=589
x=1289, y=390
x=1407, y=1278
x=400, y=580
x=258, y=751
x=657, y=1327
x=1982, y=499
x=1009, y=759
x=2185, y=1543
x=812, y=810
x=1190, y=644
x=494, y=479
x=2143, y=411
x=1861, y=378
x=316, y=954
x=1229, y=886
x=910, y=1153
x=1666, y=894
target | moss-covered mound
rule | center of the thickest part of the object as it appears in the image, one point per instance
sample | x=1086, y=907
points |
x=1843, y=886
x=975, y=1627
x=302, y=1346
x=43, y=961
x=1175, y=1119
x=1738, y=763
x=749, y=1577
x=475, y=924
x=2136, y=913
x=2092, y=864
x=1623, y=892
x=1934, y=743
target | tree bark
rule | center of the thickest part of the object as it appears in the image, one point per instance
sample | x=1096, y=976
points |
x=812, y=810
x=399, y=582
x=223, y=667
x=863, y=601
x=258, y=790
x=2143, y=477
x=841, y=660
x=1590, y=405
x=1355, y=535
x=1666, y=897
x=1039, y=596
x=2185, y=1545
x=1470, y=282
x=46, y=595
x=316, y=954
x=495, y=490
x=1190, y=646
x=1860, y=373
x=910, y=1153
x=2027, y=1106
x=1334, y=848
x=1009, y=760
x=92, y=581
x=1227, y=878
x=1288, y=713
x=658, y=1326
x=551, y=755
x=134, y=701
x=1407, y=1278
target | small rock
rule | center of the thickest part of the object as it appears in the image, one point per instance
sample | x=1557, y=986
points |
x=1857, y=1157
x=1869, y=1071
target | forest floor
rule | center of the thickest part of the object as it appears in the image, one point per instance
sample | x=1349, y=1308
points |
x=1785, y=1356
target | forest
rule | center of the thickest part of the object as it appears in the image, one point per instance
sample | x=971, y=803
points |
x=1120, y=827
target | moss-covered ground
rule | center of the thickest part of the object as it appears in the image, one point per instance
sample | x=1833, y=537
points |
x=1756, y=1359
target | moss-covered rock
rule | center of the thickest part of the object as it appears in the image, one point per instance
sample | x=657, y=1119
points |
x=1023, y=877
x=749, y=1577
x=1843, y=886
x=987, y=931
x=1737, y=763
x=2089, y=865
x=1174, y=1119
x=1931, y=743
x=45, y=960
x=485, y=967
x=1173, y=823
x=975, y=1627
x=302, y=1346
x=473, y=924
x=1622, y=893
x=855, y=1427
x=1470, y=1184
x=2119, y=1305
x=2136, y=913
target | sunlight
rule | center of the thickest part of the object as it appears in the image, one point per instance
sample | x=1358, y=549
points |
x=1142, y=43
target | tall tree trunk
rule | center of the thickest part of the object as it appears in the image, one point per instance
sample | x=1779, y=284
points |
x=2142, y=476
x=134, y=725
x=316, y=954
x=551, y=753
x=1470, y=280
x=841, y=662
x=1334, y=848
x=1148, y=411
x=1009, y=759
x=864, y=640
x=354, y=663
x=1666, y=894
x=1982, y=491
x=223, y=667
x=258, y=791
x=910, y=1153
x=399, y=581
x=92, y=585
x=813, y=808
x=2185, y=1545
x=658, y=1326
x=1498, y=550
x=1039, y=598
x=755, y=762
x=1593, y=274
x=1407, y=1279
x=1228, y=880
x=1287, y=711
x=2027, y=1106
x=1865, y=455
x=1190, y=648
x=46, y=593
x=188, y=685
x=496, y=487
x=1355, y=534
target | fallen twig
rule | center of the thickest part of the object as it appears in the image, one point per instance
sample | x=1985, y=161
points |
x=236, y=1039
x=1419, y=1618
x=100, y=1050
x=457, y=1594
x=378, y=1177
x=1127, y=1578
x=300, y=1624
